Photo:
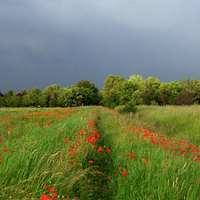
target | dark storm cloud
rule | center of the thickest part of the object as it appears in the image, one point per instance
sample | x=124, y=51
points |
x=60, y=42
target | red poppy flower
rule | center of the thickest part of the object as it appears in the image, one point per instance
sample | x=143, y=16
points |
x=125, y=173
x=146, y=161
x=72, y=148
x=89, y=187
x=100, y=149
x=51, y=189
x=44, y=197
x=65, y=141
x=45, y=187
x=78, y=143
x=108, y=150
x=54, y=195
x=84, y=149
x=91, y=161
x=5, y=149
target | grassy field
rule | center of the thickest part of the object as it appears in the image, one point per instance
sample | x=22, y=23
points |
x=96, y=153
x=182, y=122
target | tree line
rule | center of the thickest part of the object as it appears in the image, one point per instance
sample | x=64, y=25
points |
x=83, y=93
x=117, y=91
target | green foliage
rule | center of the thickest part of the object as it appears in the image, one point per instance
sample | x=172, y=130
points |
x=116, y=91
x=127, y=88
x=2, y=100
x=129, y=107
x=164, y=93
x=69, y=97
x=136, y=79
x=10, y=99
x=89, y=92
x=175, y=88
x=119, y=108
x=149, y=89
x=112, y=89
x=49, y=96
x=186, y=97
x=20, y=100
x=154, y=103
x=33, y=97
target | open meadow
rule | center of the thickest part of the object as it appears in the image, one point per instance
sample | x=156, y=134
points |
x=95, y=153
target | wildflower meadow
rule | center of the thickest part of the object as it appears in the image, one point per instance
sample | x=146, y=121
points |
x=92, y=153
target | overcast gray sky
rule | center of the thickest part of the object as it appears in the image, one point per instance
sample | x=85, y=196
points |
x=46, y=42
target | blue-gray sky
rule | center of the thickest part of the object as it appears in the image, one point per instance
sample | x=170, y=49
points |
x=46, y=42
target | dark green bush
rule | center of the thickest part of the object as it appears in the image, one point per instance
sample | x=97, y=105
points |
x=127, y=108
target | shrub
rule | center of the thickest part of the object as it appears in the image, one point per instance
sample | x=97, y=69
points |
x=154, y=103
x=119, y=108
x=128, y=107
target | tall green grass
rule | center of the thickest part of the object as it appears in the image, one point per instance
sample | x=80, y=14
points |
x=155, y=172
x=96, y=153
x=182, y=122
x=38, y=155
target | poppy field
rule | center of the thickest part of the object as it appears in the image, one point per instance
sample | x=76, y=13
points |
x=92, y=153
